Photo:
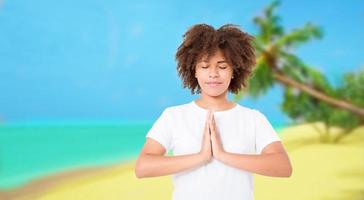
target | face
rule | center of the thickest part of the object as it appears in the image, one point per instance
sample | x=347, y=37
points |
x=214, y=74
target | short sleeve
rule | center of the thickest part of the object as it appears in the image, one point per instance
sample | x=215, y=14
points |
x=161, y=131
x=264, y=132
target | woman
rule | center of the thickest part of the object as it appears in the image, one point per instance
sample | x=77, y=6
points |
x=217, y=145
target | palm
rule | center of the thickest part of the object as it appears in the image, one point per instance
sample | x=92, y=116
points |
x=308, y=96
x=277, y=63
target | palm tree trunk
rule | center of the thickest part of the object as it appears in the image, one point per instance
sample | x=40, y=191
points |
x=319, y=95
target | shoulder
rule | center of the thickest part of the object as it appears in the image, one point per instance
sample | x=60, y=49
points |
x=177, y=108
x=251, y=114
x=248, y=111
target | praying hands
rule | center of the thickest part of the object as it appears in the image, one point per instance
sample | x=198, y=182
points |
x=273, y=161
x=211, y=142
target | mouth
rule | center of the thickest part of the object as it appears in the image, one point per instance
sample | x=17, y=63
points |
x=213, y=83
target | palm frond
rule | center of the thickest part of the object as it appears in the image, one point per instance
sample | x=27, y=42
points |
x=299, y=36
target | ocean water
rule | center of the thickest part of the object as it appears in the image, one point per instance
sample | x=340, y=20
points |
x=30, y=151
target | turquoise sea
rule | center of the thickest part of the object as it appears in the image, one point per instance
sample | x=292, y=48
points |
x=30, y=151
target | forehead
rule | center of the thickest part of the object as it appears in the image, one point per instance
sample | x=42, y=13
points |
x=213, y=56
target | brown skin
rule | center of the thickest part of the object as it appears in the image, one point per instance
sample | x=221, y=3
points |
x=214, y=69
x=227, y=59
x=203, y=40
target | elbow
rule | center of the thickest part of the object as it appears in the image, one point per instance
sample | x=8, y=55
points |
x=288, y=172
x=139, y=170
x=288, y=169
x=284, y=171
x=138, y=173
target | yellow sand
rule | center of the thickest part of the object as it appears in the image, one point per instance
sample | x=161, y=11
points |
x=320, y=171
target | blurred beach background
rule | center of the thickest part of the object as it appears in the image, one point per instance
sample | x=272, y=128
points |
x=82, y=82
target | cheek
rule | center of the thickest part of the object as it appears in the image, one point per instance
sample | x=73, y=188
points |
x=201, y=75
x=227, y=75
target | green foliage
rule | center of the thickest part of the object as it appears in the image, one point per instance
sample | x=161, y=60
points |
x=318, y=81
x=304, y=108
x=272, y=40
x=274, y=50
x=261, y=80
x=268, y=24
x=299, y=72
x=352, y=87
x=299, y=36
x=241, y=94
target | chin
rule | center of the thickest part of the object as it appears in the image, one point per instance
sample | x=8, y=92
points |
x=214, y=93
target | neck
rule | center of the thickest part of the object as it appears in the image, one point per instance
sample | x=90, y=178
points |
x=214, y=103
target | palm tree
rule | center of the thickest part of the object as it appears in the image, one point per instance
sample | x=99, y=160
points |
x=277, y=63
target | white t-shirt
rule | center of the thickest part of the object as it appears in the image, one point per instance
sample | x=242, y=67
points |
x=242, y=130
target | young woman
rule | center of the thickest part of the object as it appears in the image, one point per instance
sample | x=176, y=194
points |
x=217, y=145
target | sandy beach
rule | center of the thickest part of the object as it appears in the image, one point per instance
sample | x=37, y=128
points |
x=321, y=171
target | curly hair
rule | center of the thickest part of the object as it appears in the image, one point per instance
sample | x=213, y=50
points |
x=203, y=39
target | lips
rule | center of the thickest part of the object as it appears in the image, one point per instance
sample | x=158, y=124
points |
x=213, y=83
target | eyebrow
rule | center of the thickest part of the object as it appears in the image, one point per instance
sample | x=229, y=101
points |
x=220, y=61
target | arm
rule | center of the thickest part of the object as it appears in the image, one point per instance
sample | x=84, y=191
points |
x=273, y=161
x=152, y=161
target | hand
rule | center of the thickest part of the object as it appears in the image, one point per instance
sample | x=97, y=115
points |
x=206, y=151
x=217, y=148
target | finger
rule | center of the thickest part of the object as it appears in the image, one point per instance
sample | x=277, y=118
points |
x=211, y=117
x=210, y=114
x=206, y=130
x=208, y=117
x=212, y=123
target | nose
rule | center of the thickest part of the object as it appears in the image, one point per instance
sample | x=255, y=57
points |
x=213, y=72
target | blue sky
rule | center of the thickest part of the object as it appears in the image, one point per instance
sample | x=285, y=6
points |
x=114, y=60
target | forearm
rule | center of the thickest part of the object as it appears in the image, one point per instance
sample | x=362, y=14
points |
x=274, y=164
x=150, y=165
